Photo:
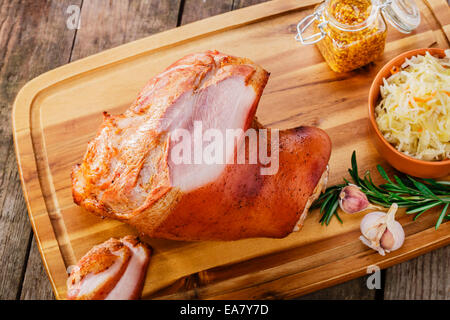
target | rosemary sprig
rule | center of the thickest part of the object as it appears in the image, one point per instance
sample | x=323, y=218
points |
x=418, y=196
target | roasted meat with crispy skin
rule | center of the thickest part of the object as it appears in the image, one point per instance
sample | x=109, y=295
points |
x=113, y=270
x=129, y=172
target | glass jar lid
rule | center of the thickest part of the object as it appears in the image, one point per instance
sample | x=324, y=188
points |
x=403, y=15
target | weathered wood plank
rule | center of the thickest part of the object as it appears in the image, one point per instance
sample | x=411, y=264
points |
x=237, y=4
x=194, y=10
x=106, y=24
x=351, y=290
x=35, y=284
x=424, y=278
x=33, y=39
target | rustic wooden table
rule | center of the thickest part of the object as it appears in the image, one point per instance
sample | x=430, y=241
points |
x=35, y=37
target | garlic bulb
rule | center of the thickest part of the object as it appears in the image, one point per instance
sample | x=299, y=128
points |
x=381, y=232
x=353, y=200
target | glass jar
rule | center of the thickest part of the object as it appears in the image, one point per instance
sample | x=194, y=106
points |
x=352, y=33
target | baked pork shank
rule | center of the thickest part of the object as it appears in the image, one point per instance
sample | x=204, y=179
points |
x=130, y=173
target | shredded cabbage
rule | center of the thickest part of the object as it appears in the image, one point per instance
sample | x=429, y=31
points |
x=414, y=113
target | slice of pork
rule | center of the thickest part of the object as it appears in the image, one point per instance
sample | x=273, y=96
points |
x=113, y=270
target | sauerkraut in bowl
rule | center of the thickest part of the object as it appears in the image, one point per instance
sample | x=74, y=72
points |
x=414, y=112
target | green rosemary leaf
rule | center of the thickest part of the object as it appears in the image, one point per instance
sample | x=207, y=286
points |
x=366, y=183
x=424, y=210
x=332, y=210
x=383, y=173
x=324, y=195
x=383, y=204
x=324, y=204
x=390, y=187
x=354, y=171
x=402, y=199
x=396, y=189
x=330, y=190
x=376, y=191
x=443, y=185
x=353, y=161
x=373, y=184
x=339, y=218
x=437, y=188
x=424, y=207
x=400, y=182
x=403, y=204
x=423, y=188
x=441, y=216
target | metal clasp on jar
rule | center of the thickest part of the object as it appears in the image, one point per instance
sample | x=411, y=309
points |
x=305, y=23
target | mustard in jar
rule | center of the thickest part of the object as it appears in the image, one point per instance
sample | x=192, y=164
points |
x=352, y=33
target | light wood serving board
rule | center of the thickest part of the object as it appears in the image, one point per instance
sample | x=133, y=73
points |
x=56, y=114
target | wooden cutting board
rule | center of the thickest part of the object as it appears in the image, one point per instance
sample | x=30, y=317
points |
x=57, y=113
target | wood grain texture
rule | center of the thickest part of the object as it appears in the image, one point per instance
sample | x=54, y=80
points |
x=237, y=4
x=355, y=289
x=23, y=55
x=423, y=278
x=106, y=24
x=441, y=11
x=255, y=268
x=194, y=10
x=35, y=284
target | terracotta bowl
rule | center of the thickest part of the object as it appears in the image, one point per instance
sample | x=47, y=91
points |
x=397, y=159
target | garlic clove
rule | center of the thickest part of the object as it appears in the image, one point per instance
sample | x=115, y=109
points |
x=387, y=240
x=381, y=232
x=398, y=234
x=395, y=228
x=353, y=200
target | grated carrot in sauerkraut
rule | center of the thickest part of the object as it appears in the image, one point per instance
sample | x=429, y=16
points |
x=414, y=113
